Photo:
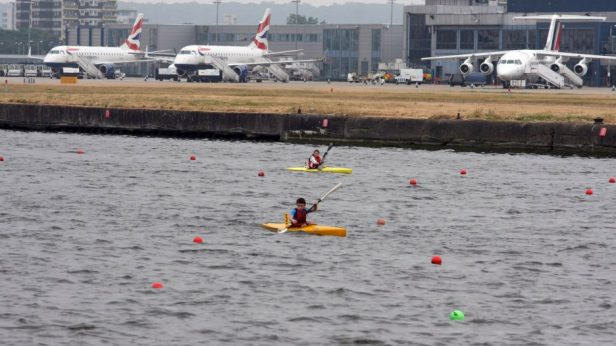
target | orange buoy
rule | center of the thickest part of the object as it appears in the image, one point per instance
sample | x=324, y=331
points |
x=589, y=192
x=463, y=171
x=413, y=182
x=612, y=179
x=437, y=260
x=198, y=240
x=380, y=222
x=193, y=157
x=80, y=151
x=157, y=285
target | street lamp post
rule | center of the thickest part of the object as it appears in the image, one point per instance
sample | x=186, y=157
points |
x=217, y=3
x=297, y=2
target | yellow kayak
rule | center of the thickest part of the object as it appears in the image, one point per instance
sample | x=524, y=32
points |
x=322, y=170
x=310, y=229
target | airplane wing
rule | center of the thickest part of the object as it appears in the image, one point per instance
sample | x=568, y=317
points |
x=588, y=57
x=18, y=57
x=266, y=63
x=284, y=52
x=465, y=56
x=123, y=62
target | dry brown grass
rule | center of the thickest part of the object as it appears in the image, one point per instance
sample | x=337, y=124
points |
x=409, y=102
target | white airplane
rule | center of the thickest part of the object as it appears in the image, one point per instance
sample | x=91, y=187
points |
x=530, y=65
x=239, y=59
x=98, y=59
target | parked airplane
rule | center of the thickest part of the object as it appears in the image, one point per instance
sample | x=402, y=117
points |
x=98, y=61
x=530, y=65
x=235, y=61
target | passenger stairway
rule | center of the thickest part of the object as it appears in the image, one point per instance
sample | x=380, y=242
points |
x=548, y=75
x=87, y=66
x=227, y=72
x=571, y=76
x=278, y=72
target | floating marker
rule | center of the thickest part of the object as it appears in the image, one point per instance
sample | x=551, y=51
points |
x=589, y=192
x=157, y=285
x=1, y=158
x=261, y=173
x=380, y=222
x=437, y=260
x=198, y=240
x=80, y=151
x=413, y=182
x=612, y=179
x=463, y=171
x=456, y=315
x=193, y=157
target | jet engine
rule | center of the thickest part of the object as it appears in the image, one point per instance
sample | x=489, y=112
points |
x=108, y=70
x=557, y=66
x=487, y=67
x=467, y=67
x=581, y=68
x=242, y=71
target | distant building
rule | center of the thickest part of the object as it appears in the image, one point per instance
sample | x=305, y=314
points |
x=446, y=27
x=8, y=18
x=344, y=48
x=126, y=16
x=56, y=16
x=229, y=19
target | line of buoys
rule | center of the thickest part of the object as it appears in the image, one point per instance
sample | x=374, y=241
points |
x=80, y=151
x=198, y=240
x=261, y=174
x=612, y=180
x=193, y=157
x=437, y=260
x=413, y=182
x=157, y=285
x=380, y=222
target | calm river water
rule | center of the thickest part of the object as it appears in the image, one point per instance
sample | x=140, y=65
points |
x=527, y=256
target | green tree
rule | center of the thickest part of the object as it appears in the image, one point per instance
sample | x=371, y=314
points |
x=299, y=19
x=16, y=42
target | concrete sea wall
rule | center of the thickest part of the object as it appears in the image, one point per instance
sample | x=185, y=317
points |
x=582, y=138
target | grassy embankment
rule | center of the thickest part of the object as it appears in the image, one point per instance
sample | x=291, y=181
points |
x=424, y=102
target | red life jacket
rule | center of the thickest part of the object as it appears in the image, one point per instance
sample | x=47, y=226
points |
x=311, y=164
x=300, y=215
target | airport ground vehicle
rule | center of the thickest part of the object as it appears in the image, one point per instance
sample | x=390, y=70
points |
x=163, y=73
x=472, y=79
x=410, y=76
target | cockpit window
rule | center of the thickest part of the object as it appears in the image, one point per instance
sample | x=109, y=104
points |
x=55, y=51
x=186, y=51
x=518, y=62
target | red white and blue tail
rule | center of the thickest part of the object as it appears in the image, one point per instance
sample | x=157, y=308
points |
x=132, y=42
x=260, y=39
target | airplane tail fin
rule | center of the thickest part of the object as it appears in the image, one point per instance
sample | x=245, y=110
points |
x=260, y=39
x=559, y=33
x=132, y=42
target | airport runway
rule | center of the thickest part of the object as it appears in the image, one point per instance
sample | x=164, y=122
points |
x=389, y=87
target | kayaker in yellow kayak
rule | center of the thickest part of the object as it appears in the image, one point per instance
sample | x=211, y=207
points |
x=299, y=213
x=315, y=160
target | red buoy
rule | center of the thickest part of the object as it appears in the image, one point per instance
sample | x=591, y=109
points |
x=157, y=285
x=589, y=192
x=612, y=179
x=80, y=151
x=1, y=158
x=198, y=240
x=413, y=182
x=463, y=171
x=261, y=173
x=193, y=157
x=437, y=260
x=380, y=222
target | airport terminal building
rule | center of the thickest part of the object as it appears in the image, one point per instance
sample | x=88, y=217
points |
x=344, y=48
x=446, y=27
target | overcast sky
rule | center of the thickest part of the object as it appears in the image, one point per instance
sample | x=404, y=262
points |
x=311, y=2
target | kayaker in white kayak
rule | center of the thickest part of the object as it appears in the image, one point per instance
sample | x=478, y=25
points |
x=299, y=213
x=315, y=160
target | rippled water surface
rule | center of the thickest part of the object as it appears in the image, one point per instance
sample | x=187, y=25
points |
x=527, y=255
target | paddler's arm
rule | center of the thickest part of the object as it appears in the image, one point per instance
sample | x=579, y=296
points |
x=313, y=208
